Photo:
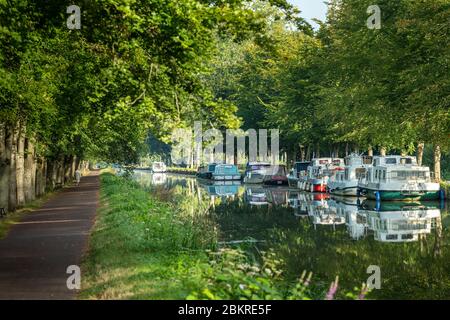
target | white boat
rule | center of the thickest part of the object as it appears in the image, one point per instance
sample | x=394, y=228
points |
x=320, y=171
x=398, y=178
x=255, y=172
x=159, y=167
x=345, y=182
x=298, y=174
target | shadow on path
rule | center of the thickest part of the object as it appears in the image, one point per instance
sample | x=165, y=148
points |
x=37, y=250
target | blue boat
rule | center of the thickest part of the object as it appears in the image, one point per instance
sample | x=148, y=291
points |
x=219, y=172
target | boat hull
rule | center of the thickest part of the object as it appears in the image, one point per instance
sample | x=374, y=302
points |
x=254, y=179
x=275, y=181
x=398, y=195
x=346, y=191
x=226, y=177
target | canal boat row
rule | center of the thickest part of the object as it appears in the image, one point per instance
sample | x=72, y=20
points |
x=381, y=178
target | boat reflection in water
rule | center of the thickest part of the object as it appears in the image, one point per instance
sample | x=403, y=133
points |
x=255, y=196
x=388, y=222
x=144, y=177
x=385, y=221
x=400, y=222
x=159, y=178
x=221, y=190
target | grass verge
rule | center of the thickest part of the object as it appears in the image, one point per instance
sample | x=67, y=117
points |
x=13, y=217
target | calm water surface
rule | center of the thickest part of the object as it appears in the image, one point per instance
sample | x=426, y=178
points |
x=329, y=236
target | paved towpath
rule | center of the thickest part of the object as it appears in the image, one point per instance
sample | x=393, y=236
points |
x=37, y=251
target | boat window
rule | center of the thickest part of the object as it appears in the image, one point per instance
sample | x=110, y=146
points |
x=302, y=166
x=277, y=170
x=258, y=166
x=384, y=174
x=391, y=237
x=406, y=161
x=407, y=236
x=360, y=172
x=391, y=161
x=408, y=174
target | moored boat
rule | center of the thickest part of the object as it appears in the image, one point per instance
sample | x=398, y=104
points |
x=276, y=175
x=320, y=171
x=219, y=172
x=255, y=172
x=159, y=167
x=345, y=182
x=298, y=174
x=394, y=178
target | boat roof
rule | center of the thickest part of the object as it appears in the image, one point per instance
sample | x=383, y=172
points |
x=394, y=160
x=249, y=164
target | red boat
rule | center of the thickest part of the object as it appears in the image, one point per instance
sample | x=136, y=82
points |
x=276, y=175
x=320, y=171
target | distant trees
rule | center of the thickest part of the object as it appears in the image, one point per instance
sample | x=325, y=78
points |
x=347, y=88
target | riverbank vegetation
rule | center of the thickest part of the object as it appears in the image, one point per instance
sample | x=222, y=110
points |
x=146, y=248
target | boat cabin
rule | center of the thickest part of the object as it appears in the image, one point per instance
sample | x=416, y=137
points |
x=397, y=168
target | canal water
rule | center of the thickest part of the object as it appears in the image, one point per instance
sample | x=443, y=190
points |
x=329, y=236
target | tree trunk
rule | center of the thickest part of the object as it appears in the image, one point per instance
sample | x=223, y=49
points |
x=383, y=151
x=29, y=172
x=420, y=148
x=437, y=163
x=302, y=153
x=60, y=171
x=43, y=183
x=20, y=167
x=67, y=169
x=370, y=152
x=4, y=169
x=11, y=154
x=346, y=149
x=39, y=171
x=51, y=174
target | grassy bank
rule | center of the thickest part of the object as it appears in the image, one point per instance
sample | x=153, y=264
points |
x=142, y=248
x=13, y=217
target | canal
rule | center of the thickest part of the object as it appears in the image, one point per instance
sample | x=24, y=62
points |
x=328, y=236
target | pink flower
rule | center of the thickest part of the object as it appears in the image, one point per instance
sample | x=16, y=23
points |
x=333, y=288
